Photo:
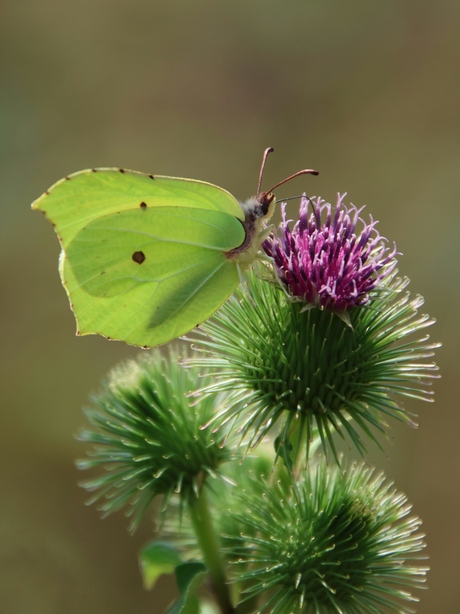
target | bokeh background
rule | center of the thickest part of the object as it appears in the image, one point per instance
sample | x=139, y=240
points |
x=366, y=92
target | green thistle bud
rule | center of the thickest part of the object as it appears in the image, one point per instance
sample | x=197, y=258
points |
x=334, y=542
x=308, y=369
x=148, y=436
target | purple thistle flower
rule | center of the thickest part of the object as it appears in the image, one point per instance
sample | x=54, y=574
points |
x=326, y=263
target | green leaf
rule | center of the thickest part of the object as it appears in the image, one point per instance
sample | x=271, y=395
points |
x=189, y=576
x=156, y=559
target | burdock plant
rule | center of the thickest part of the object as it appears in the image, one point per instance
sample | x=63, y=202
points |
x=236, y=440
x=321, y=543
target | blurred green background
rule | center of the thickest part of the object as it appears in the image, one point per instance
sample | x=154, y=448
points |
x=366, y=92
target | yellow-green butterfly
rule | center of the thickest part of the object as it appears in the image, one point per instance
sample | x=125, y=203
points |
x=146, y=258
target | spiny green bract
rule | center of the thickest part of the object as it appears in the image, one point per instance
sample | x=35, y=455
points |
x=147, y=436
x=335, y=542
x=313, y=369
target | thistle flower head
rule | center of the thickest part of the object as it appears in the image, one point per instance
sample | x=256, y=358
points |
x=324, y=260
x=147, y=436
x=335, y=542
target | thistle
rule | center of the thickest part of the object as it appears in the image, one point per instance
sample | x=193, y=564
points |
x=148, y=438
x=324, y=262
x=287, y=361
x=333, y=542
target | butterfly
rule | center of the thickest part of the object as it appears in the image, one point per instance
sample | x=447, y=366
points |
x=147, y=258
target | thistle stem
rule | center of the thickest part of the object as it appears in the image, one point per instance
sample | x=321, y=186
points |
x=208, y=542
x=300, y=443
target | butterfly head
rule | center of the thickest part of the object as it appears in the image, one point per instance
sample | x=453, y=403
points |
x=257, y=212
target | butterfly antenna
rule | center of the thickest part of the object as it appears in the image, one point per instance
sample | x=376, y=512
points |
x=305, y=171
x=262, y=166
